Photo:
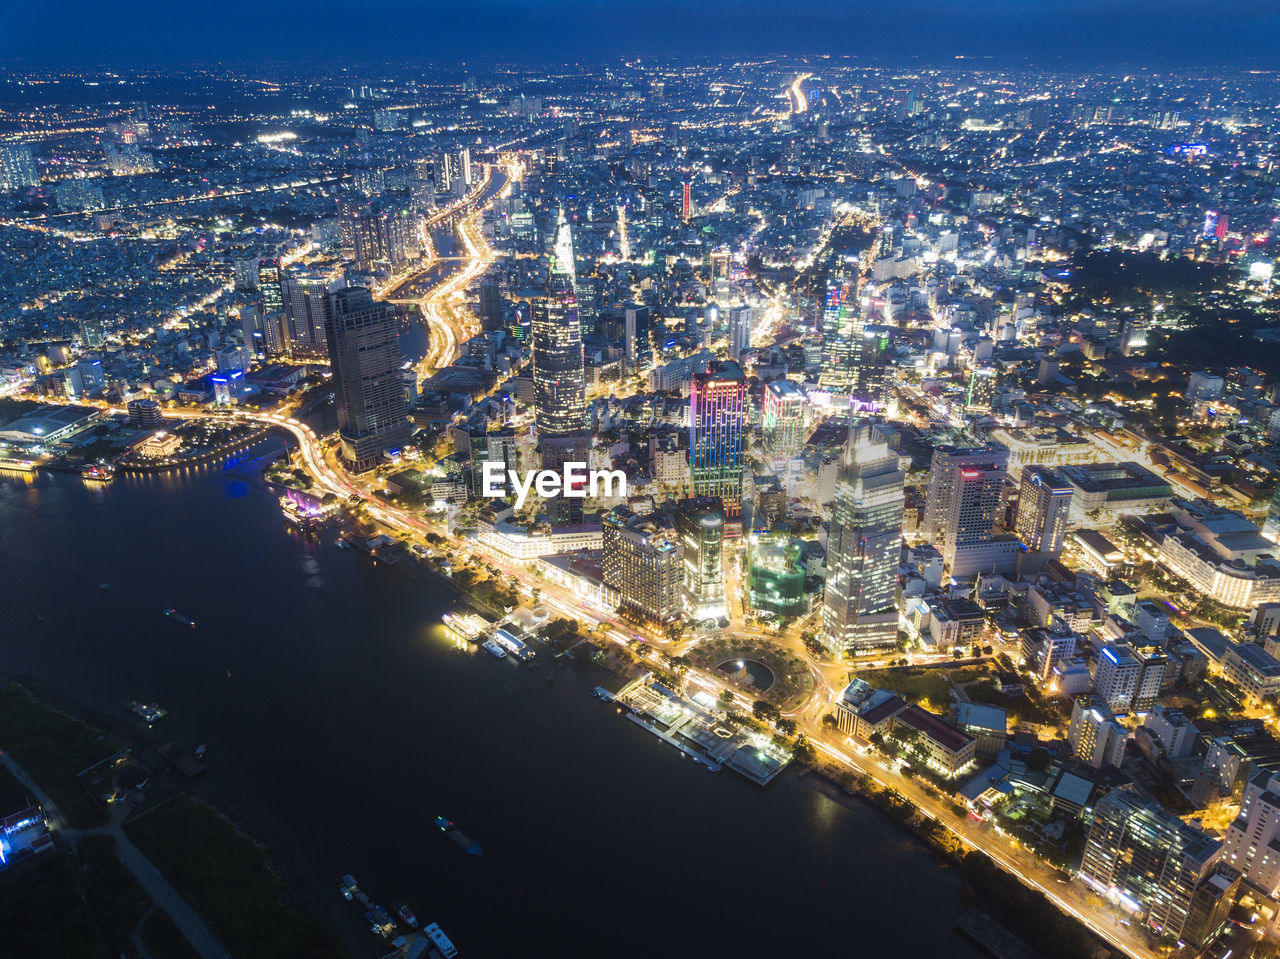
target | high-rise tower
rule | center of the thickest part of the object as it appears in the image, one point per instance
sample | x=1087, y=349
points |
x=559, y=383
x=853, y=356
x=864, y=547
x=700, y=528
x=782, y=419
x=1044, y=502
x=365, y=356
x=717, y=419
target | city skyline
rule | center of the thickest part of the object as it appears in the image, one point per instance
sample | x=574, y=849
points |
x=867, y=433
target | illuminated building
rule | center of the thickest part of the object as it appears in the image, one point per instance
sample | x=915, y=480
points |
x=1096, y=739
x=78, y=193
x=960, y=507
x=270, y=286
x=644, y=564
x=364, y=353
x=740, y=321
x=1147, y=859
x=686, y=204
x=307, y=311
x=982, y=390
x=864, y=547
x=92, y=332
x=159, y=445
x=783, y=421
x=229, y=387
x=559, y=379
x=17, y=167
x=853, y=361
x=271, y=325
x=700, y=530
x=638, y=333
x=384, y=237
x=775, y=576
x=1116, y=680
x=1271, y=527
x=309, y=512
x=1251, y=844
x=1044, y=503
x=1133, y=341
x=145, y=414
x=717, y=419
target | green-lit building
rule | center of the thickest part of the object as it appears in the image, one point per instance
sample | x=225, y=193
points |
x=775, y=576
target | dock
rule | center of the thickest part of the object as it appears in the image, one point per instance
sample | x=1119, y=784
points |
x=699, y=733
x=517, y=648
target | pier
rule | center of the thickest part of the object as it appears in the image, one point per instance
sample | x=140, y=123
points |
x=700, y=734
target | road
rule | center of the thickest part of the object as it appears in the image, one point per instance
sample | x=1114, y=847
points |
x=448, y=328
x=1071, y=898
x=187, y=920
x=30, y=221
x=438, y=292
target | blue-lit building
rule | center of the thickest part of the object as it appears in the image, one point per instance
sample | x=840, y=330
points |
x=717, y=420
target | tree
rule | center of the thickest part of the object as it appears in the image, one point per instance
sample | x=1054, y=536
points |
x=679, y=663
x=802, y=750
x=830, y=720
x=957, y=653
x=726, y=698
x=765, y=711
x=787, y=727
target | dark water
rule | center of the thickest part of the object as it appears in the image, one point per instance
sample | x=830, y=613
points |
x=341, y=721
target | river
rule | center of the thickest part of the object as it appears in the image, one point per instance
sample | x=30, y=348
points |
x=340, y=720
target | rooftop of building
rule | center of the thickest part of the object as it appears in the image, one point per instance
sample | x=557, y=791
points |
x=935, y=727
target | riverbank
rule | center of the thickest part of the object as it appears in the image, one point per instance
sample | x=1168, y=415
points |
x=217, y=866
x=341, y=719
x=1024, y=912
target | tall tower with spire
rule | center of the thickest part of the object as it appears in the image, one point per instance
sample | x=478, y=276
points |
x=559, y=379
x=559, y=376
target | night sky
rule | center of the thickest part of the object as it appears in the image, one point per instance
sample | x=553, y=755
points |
x=1173, y=34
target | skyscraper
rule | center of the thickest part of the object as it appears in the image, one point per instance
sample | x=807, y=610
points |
x=270, y=286
x=365, y=356
x=717, y=419
x=17, y=167
x=782, y=421
x=1147, y=858
x=1044, y=501
x=864, y=547
x=700, y=528
x=272, y=322
x=638, y=335
x=642, y=561
x=306, y=301
x=383, y=235
x=853, y=356
x=559, y=381
x=970, y=524
x=490, y=306
x=960, y=507
x=740, y=320
x=1271, y=528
